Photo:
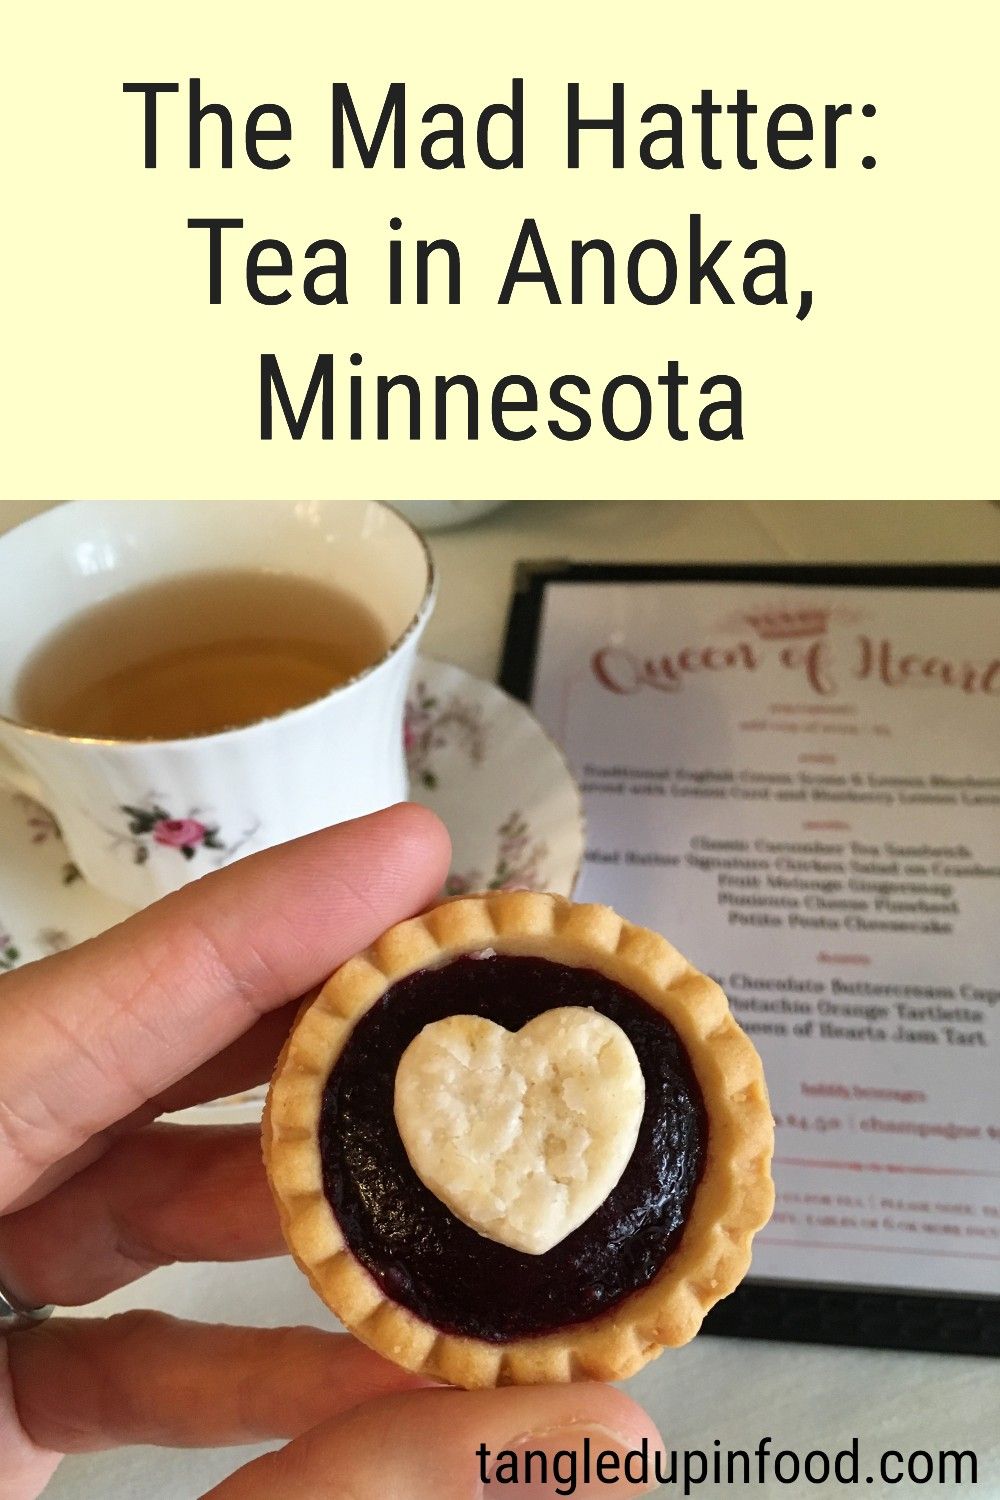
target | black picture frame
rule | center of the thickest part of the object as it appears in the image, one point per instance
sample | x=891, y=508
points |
x=796, y=1312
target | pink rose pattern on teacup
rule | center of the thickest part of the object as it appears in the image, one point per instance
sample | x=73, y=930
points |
x=153, y=822
x=180, y=833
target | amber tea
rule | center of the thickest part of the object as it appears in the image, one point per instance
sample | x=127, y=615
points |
x=197, y=653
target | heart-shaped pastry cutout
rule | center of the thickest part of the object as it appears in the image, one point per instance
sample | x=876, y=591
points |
x=522, y=1134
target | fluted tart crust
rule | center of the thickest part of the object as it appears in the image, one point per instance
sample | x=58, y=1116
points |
x=733, y=1197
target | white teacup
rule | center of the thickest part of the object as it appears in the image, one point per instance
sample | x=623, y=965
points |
x=143, y=818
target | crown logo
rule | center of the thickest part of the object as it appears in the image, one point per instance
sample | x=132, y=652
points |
x=789, y=624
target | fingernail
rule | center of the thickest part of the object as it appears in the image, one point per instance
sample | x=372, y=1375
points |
x=581, y=1460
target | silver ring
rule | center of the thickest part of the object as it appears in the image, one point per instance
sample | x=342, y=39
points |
x=15, y=1315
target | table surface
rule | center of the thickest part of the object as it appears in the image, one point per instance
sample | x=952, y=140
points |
x=805, y=1397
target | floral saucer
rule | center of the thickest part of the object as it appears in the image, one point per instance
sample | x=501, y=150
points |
x=477, y=757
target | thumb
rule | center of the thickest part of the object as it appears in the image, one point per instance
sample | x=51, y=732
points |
x=537, y=1441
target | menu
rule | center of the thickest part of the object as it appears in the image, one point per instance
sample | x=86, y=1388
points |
x=798, y=782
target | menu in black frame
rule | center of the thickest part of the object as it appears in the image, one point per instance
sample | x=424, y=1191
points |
x=794, y=773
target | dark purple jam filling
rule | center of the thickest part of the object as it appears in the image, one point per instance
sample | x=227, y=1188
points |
x=429, y=1261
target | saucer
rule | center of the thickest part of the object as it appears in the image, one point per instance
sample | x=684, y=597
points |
x=477, y=757
x=502, y=788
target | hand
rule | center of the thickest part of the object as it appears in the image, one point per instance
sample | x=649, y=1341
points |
x=184, y=1002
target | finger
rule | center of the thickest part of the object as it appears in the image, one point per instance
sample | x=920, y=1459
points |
x=26, y=1468
x=168, y=1193
x=246, y=1064
x=84, y=1384
x=90, y=1035
x=462, y=1445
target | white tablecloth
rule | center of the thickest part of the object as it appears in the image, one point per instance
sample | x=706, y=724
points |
x=805, y=1397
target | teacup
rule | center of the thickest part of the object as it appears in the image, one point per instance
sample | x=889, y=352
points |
x=142, y=818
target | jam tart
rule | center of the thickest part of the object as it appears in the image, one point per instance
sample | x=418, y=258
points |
x=520, y=1140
